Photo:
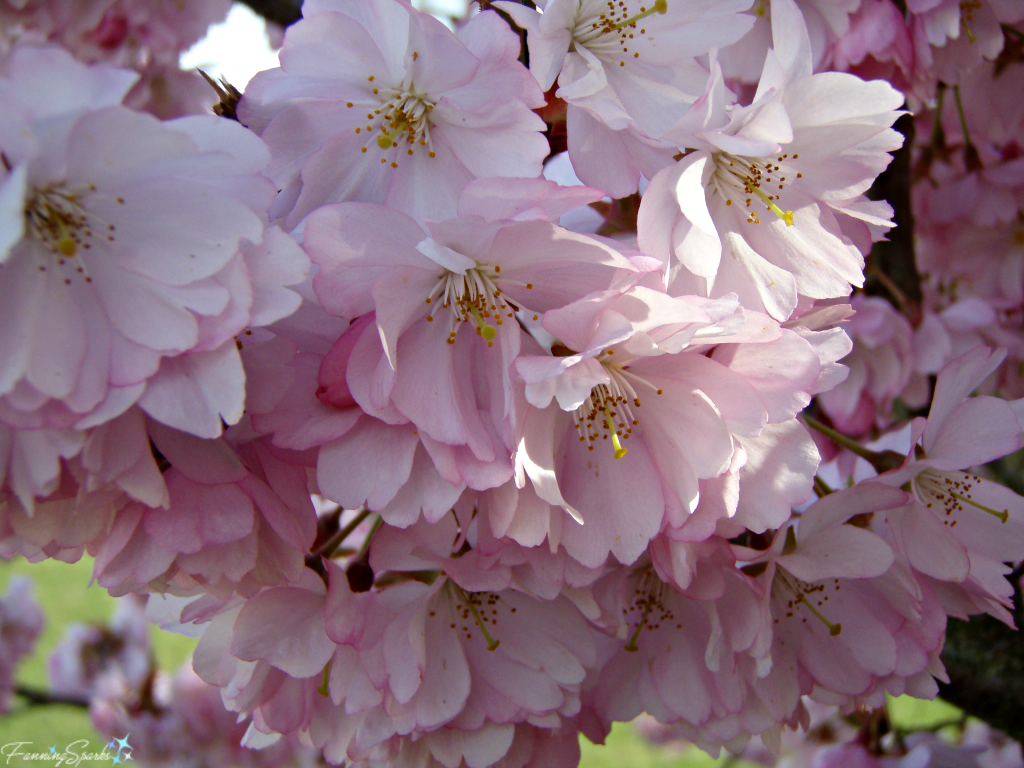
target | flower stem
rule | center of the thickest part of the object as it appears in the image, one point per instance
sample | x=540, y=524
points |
x=882, y=462
x=329, y=546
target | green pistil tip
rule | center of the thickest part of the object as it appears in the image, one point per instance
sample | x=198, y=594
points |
x=489, y=332
x=384, y=141
x=660, y=6
x=324, y=687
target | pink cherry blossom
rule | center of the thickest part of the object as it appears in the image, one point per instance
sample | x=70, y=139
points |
x=100, y=291
x=238, y=518
x=626, y=75
x=881, y=367
x=186, y=722
x=377, y=102
x=631, y=413
x=801, y=155
x=88, y=653
x=445, y=296
x=127, y=33
x=843, y=610
x=961, y=528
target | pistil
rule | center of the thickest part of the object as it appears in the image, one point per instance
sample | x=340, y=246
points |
x=660, y=6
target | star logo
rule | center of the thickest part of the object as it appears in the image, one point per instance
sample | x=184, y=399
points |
x=123, y=743
x=53, y=750
x=127, y=756
x=115, y=759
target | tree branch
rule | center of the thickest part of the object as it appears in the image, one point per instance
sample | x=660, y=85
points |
x=281, y=12
x=35, y=696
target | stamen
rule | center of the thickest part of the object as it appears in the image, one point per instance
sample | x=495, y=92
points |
x=631, y=646
x=1004, y=515
x=492, y=644
x=786, y=216
x=660, y=6
x=833, y=629
x=800, y=590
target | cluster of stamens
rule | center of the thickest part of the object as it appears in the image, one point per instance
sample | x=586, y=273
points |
x=607, y=413
x=811, y=596
x=479, y=609
x=967, y=9
x=747, y=178
x=398, y=119
x=55, y=218
x=472, y=297
x=647, y=609
x=949, y=491
x=610, y=34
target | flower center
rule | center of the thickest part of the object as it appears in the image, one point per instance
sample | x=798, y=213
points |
x=472, y=297
x=607, y=29
x=55, y=218
x=811, y=596
x=737, y=176
x=481, y=609
x=967, y=9
x=398, y=121
x=950, y=491
x=607, y=412
x=647, y=608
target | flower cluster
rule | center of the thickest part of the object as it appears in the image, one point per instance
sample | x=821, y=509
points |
x=445, y=475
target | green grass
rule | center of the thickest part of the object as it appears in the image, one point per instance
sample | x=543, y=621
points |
x=63, y=591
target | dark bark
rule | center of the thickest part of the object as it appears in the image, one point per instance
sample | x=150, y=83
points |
x=281, y=12
x=985, y=662
x=891, y=269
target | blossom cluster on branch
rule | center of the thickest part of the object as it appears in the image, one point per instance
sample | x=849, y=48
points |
x=450, y=462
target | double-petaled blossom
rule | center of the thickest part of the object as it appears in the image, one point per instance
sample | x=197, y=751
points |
x=238, y=517
x=953, y=38
x=765, y=204
x=184, y=722
x=436, y=646
x=122, y=278
x=437, y=353
x=882, y=367
x=626, y=71
x=642, y=397
x=379, y=103
x=961, y=528
x=847, y=619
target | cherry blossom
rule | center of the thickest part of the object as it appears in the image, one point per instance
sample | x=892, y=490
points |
x=961, y=527
x=799, y=157
x=378, y=103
